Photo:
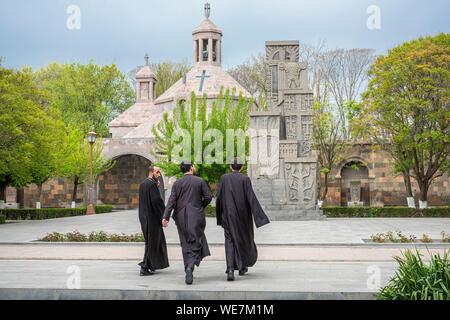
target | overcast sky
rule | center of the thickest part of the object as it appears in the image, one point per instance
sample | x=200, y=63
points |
x=35, y=32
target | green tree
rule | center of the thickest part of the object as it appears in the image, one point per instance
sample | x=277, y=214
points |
x=328, y=139
x=252, y=75
x=74, y=161
x=26, y=130
x=407, y=106
x=88, y=96
x=168, y=73
x=225, y=113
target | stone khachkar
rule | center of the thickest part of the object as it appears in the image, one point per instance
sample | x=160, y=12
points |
x=282, y=163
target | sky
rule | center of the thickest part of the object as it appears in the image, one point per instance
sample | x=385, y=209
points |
x=37, y=32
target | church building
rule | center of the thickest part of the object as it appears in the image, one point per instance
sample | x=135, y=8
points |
x=132, y=141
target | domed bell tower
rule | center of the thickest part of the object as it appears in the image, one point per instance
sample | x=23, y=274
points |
x=207, y=40
x=146, y=83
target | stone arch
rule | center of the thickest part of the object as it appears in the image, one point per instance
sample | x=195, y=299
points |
x=355, y=184
x=354, y=158
x=119, y=186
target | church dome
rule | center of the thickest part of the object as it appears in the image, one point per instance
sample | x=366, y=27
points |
x=202, y=79
x=207, y=26
x=145, y=72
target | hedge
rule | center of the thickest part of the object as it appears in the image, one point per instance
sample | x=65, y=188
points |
x=49, y=213
x=372, y=212
x=2, y=218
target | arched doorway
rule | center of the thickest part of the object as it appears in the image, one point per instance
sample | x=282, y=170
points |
x=355, y=188
x=120, y=185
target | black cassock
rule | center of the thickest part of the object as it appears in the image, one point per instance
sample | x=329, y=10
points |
x=151, y=209
x=189, y=196
x=236, y=208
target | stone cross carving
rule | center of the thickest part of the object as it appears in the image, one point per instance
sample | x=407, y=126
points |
x=292, y=190
x=202, y=80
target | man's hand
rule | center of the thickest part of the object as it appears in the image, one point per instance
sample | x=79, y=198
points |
x=165, y=223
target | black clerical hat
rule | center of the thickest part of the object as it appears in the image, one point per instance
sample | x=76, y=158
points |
x=185, y=165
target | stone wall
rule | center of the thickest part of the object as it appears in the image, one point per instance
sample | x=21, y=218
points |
x=55, y=193
x=381, y=187
x=120, y=185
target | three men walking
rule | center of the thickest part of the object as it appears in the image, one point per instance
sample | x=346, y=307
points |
x=236, y=208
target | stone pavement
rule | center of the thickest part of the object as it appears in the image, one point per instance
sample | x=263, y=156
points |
x=337, y=230
x=297, y=260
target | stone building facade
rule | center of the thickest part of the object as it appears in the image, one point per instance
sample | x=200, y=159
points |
x=365, y=176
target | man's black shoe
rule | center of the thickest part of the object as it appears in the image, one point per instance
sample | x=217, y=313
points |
x=243, y=271
x=230, y=275
x=189, y=276
x=146, y=272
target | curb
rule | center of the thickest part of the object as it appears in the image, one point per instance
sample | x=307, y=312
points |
x=116, y=294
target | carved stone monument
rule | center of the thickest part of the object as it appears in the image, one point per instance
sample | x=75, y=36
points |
x=282, y=163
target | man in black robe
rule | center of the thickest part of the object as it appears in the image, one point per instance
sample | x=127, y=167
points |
x=151, y=209
x=189, y=196
x=236, y=207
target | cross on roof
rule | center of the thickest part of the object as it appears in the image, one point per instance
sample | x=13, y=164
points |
x=202, y=80
x=207, y=10
x=146, y=59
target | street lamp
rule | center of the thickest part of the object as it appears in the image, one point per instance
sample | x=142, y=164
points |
x=91, y=140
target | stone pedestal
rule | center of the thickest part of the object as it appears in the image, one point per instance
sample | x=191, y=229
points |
x=282, y=164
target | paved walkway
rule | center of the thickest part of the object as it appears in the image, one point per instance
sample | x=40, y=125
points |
x=338, y=230
x=297, y=260
x=120, y=280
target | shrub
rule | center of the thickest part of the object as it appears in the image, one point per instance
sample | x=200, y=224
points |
x=103, y=208
x=50, y=213
x=418, y=280
x=373, y=212
x=426, y=238
x=94, y=236
x=54, y=237
x=100, y=236
x=400, y=237
x=75, y=236
x=445, y=237
x=2, y=218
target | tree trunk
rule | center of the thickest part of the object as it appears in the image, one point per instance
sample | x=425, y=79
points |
x=325, y=186
x=75, y=187
x=39, y=200
x=407, y=180
x=423, y=186
x=20, y=197
x=3, y=192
